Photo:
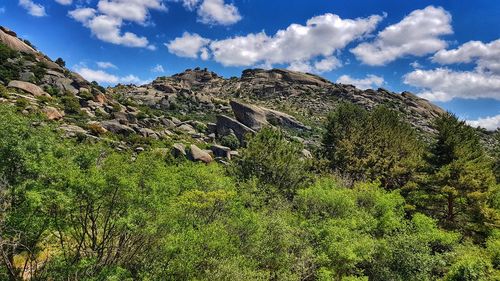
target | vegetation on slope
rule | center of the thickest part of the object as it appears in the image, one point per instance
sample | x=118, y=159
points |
x=81, y=211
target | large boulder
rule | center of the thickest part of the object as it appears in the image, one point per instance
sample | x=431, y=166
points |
x=256, y=117
x=252, y=116
x=226, y=125
x=196, y=154
x=28, y=87
x=9, y=39
x=115, y=127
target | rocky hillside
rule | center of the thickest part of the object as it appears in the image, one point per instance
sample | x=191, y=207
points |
x=203, y=115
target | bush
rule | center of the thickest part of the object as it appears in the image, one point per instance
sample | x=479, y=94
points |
x=274, y=161
x=60, y=62
x=71, y=103
x=230, y=141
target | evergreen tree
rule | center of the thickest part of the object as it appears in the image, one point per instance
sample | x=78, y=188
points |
x=374, y=145
x=459, y=178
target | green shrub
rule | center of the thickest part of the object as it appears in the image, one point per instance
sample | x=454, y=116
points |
x=230, y=141
x=71, y=103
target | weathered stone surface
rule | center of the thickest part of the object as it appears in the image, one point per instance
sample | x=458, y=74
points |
x=52, y=113
x=252, y=116
x=227, y=124
x=256, y=117
x=115, y=127
x=187, y=128
x=196, y=154
x=178, y=150
x=9, y=38
x=28, y=87
x=145, y=132
x=72, y=130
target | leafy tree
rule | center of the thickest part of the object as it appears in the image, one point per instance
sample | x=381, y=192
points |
x=274, y=161
x=374, y=145
x=459, y=179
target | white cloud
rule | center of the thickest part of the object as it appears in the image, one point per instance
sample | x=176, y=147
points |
x=97, y=75
x=297, y=44
x=327, y=64
x=107, y=21
x=416, y=65
x=130, y=10
x=418, y=34
x=64, y=2
x=82, y=15
x=486, y=56
x=189, y=45
x=443, y=84
x=217, y=12
x=371, y=81
x=106, y=64
x=213, y=12
x=489, y=123
x=33, y=9
x=158, y=68
x=102, y=76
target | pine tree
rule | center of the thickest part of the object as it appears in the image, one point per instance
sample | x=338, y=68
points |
x=459, y=178
x=374, y=145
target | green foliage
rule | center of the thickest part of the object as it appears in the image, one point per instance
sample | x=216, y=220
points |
x=71, y=103
x=8, y=69
x=39, y=70
x=459, y=180
x=60, y=62
x=83, y=211
x=274, y=161
x=375, y=145
x=230, y=141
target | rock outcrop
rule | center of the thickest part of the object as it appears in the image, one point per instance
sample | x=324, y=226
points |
x=28, y=87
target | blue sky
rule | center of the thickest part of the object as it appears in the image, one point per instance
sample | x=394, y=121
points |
x=446, y=51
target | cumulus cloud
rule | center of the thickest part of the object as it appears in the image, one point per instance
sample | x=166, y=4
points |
x=418, y=34
x=107, y=21
x=213, y=12
x=371, y=81
x=489, y=123
x=158, y=68
x=130, y=10
x=485, y=56
x=106, y=64
x=102, y=76
x=64, y=2
x=97, y=75
x=33, y=8
x=217, y=12
x=443, y=84
x=298, y=45
x=188, y=46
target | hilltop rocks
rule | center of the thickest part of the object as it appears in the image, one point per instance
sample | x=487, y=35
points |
x=10, y=39
x=28, y=87
x=196, y=154
x=221, y=151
